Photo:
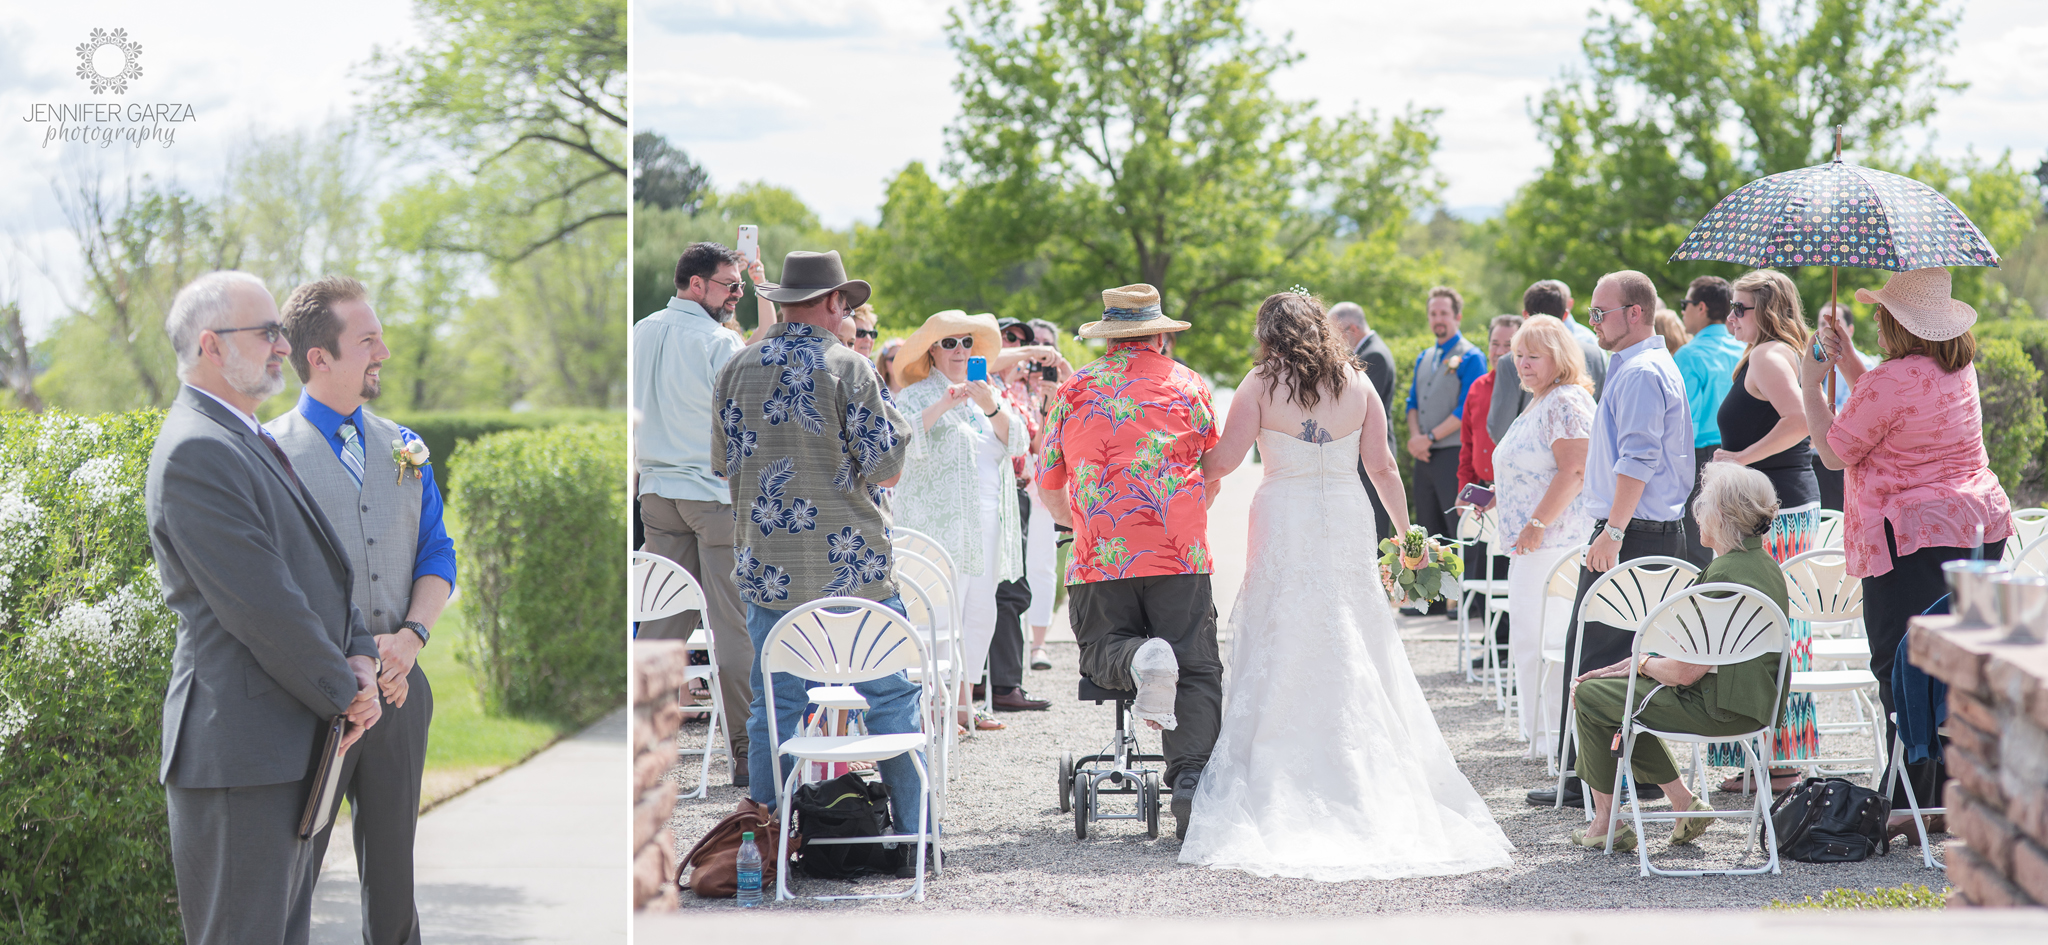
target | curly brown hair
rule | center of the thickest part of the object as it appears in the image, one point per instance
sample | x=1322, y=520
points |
x=1300, y=348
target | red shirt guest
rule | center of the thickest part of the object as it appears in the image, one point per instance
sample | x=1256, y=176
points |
x=1475, y=447
x=1122, y=468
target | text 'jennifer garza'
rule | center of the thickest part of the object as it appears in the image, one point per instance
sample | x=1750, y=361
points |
x=107, y=122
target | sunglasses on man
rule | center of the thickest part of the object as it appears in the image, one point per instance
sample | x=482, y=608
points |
x=951, y=343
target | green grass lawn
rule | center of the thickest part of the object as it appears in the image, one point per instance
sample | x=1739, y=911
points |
x=465, y=745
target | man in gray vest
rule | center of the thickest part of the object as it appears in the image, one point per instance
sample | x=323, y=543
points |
x=1377, y=361
x=269, y=647
x=389, y=518
x=1444, y=373
x=1548, y=297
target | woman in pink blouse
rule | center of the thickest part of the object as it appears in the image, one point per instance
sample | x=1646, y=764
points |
x=1918, y=489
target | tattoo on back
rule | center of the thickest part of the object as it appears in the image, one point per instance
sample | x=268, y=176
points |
x=1312, y=433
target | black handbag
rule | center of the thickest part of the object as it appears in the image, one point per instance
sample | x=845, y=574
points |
x=1829, y=820
x=845, y=806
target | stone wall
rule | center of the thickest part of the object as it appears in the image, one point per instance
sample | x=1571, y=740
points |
x=1997, y=760
x=658, y=667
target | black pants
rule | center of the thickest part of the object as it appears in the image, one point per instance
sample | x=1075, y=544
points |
x=1693, y=551
x=1013, y=598
x=382, y=778
x=1436, y=490
x=1830, y=484
x=1111, y=619
x=1607, y=645
x=1890, y=599
x=1383, y=525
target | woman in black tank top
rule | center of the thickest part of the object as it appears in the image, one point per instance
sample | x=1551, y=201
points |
x=1746, y=420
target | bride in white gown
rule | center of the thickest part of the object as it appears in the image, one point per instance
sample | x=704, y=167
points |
x=1329, y=765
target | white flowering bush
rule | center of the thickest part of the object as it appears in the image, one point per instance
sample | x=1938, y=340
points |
x=85, y=647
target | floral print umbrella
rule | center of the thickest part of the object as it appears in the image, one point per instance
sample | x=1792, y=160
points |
x=1838, y=214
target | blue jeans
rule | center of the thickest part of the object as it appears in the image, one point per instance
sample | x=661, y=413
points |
x=892, y=708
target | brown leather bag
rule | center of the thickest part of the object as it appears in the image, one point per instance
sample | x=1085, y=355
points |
x=713, y=862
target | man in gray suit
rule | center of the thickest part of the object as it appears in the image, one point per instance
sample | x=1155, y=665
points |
x=1377, y=360
x=1548, y=297
x=269, y=648
x=390, y=524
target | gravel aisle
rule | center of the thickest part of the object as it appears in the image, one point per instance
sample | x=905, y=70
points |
x=1011, y=850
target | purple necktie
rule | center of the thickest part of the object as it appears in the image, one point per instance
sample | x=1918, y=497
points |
x=278, y=451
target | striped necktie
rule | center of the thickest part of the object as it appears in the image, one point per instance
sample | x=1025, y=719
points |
x=352, y=449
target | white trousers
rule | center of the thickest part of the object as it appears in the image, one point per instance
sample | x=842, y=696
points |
x=978, y=595
x=1527, y=612
x=1041, y=563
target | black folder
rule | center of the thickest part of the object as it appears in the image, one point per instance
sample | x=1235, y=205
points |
x=325, y=780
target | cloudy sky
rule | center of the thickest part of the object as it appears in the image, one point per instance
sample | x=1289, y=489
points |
x=244, y=68
x=831, y=97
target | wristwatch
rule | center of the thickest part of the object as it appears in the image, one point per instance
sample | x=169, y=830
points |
x=419, y=629
x=1615, y=534
x=1432, y=436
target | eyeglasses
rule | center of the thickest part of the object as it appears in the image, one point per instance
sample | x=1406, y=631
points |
x=951, y=343
x=731, y=288
x=1739, y=310
x=867, y=333
x=1598, y=315
x=1015, y=340
x=271, y=331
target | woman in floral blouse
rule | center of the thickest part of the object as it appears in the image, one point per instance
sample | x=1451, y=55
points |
x=1918, y=487
x=957, y=473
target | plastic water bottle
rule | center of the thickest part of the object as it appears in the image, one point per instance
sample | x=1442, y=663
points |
x=749, y=865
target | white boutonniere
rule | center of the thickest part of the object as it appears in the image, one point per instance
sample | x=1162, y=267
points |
x=409, y=456
x=1451, y=363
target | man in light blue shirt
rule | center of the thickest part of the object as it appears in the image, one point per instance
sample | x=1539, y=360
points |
x=1707, y=363
x=1639, y=466
x=685, y=505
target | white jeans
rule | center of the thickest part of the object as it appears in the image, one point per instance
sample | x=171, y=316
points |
x=1041, y=563
x=1527, y=612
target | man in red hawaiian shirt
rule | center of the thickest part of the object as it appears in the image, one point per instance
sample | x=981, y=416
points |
x=1122, y=468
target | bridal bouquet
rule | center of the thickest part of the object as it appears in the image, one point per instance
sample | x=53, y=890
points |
x=1417, y=567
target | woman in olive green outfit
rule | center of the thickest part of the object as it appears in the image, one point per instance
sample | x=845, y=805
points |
x=1735, y=509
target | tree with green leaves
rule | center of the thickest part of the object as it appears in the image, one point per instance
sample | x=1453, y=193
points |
x=664, y=176
x=1683, y=101
x=1118, y=141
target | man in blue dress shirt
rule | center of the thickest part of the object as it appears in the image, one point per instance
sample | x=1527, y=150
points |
x=1639, y=466
x=1444, y=373
x=1707, y=363
x=388, y=517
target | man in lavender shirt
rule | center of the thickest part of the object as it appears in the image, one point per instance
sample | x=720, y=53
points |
x=1639, y=469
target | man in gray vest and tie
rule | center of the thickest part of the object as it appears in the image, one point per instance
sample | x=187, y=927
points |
x=389, y=518
x=1444, y=373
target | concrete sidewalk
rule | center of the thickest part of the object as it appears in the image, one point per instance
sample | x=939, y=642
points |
x=536, y=854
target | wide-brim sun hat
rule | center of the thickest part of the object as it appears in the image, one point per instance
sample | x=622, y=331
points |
x=807, y=275
x=910, y=365
x=1920, y=300
x=1131, y=311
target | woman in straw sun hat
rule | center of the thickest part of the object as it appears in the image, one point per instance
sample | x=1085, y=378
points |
x=956, y=474
x=1918, y=487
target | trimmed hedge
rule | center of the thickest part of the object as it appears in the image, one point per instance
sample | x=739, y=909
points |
x=446, y=430
x=85, y=653
x=2031, y=334
x=2010, y=386
x=542, y=522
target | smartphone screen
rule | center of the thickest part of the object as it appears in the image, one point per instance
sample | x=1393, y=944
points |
x=750, y=242
x=977, y=369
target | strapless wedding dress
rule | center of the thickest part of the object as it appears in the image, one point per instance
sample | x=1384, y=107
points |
x=1329, y=765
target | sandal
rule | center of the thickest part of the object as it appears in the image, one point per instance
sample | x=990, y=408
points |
x=1624, y=839
x=1689, y=829
x=980, y=722
x=1780, y=783
x=1039, y=659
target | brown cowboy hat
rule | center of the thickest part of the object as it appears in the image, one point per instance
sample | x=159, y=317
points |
x=910, y=364
x=1129, y=312
x=807, y=275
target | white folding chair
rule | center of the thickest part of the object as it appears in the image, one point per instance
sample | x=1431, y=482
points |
x=1563, y=582
x=2029, y=559
x=934, y=611
x=2028, y=527
x=1820, y=590
x=661, y=588
x=1483, y=531
x=917, y=542
x=859, y=642
x=1621, y=598
x=1897, y=770
x=1713, y=625
x=1828, y=529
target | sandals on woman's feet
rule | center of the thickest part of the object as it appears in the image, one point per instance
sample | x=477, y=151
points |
x=1624, y=839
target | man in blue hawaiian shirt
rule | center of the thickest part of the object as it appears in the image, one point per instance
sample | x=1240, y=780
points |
x=809, y=443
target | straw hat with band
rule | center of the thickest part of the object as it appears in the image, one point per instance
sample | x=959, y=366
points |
x=806, y=276
x=910, y=365
x=1920, y=301
x=1131, y=311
